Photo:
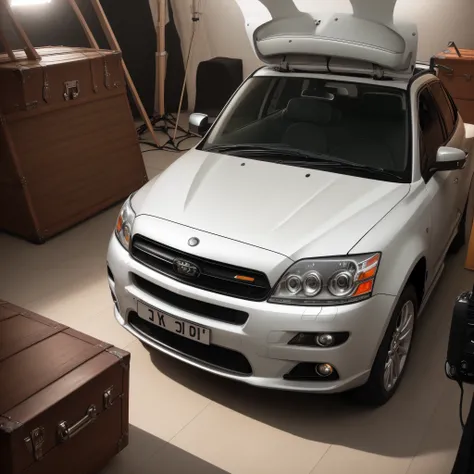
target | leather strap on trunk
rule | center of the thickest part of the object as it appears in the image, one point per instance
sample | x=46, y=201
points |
x=106, y=74
x=95, y=87
x=452, y=44
x=46, y=89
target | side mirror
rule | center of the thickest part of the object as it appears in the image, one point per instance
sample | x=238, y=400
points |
x=449, y=159
x=199, y=124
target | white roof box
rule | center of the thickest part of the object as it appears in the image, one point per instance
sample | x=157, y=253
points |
x=365, y=41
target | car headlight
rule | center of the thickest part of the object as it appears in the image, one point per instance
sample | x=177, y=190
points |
x=328, y=281
x=123, y=228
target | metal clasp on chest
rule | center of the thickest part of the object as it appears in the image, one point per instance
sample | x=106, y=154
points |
x=35, y=442
x=71, y=90
x=110, y=397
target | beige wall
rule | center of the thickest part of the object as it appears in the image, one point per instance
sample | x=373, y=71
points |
x=221, y=31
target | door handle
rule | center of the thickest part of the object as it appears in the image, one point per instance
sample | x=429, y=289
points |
x=456, y=180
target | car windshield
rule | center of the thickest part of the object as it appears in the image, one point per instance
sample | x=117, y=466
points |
x=363, y=128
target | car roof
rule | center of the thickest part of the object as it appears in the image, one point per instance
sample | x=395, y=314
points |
x=267, y=71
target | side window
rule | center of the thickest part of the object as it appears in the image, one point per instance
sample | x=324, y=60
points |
x=445, y=107
x=452, y=105
x=431, y=131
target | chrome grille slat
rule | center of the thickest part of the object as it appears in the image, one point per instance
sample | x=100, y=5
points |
x=152, y=253
x=213, y=276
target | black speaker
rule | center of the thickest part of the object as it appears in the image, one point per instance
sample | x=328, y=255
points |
x=216, y=81
x=460, y=358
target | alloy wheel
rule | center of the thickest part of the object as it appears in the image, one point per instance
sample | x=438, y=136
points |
x=399, y=346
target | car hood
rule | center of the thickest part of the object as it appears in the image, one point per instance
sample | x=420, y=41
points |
x=293, y=211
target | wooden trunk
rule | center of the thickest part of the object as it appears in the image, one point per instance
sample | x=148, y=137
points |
x=63, y=397
x=457, y=74
x=68, y=146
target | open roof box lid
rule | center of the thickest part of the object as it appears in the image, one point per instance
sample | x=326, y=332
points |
x=367, y=41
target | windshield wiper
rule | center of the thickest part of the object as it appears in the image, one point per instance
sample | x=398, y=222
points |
x=300, y=158
x=343, y=164
x=257, y=150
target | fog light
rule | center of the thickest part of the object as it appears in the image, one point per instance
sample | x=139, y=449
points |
x=325, y=340
x=319, y=339
x=324, y=370
x=310, y=372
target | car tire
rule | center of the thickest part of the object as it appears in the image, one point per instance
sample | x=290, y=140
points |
x=375, y=392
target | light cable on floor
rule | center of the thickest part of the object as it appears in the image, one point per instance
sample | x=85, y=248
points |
x=169, y=122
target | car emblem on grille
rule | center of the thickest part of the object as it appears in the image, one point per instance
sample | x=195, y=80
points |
x=193, y=242
x=187, y=269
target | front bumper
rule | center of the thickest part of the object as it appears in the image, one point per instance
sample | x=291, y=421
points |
x=263, y=339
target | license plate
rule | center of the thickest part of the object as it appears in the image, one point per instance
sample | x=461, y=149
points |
x=175, y=325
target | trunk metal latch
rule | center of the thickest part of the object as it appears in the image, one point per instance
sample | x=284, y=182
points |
x=35, y=442
x=71, y=90
x=109, y=398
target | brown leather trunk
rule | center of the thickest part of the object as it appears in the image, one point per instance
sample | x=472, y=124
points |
x=456, y=71
x=63, y=397
x=68, y=146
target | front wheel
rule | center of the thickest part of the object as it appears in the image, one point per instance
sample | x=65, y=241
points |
x=393, y=354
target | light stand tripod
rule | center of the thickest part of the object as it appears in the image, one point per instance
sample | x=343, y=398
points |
x=161, y=59
x=162, y=121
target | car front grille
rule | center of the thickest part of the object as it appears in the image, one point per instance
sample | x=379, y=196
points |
x=212, y=276
x=199, y=308
x=214, y=356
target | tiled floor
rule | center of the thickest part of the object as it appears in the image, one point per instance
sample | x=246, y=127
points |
x=185, y=421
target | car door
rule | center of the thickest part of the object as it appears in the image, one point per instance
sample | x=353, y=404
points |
x=441, y=186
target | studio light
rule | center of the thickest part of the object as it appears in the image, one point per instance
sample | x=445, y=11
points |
x=21, y=3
